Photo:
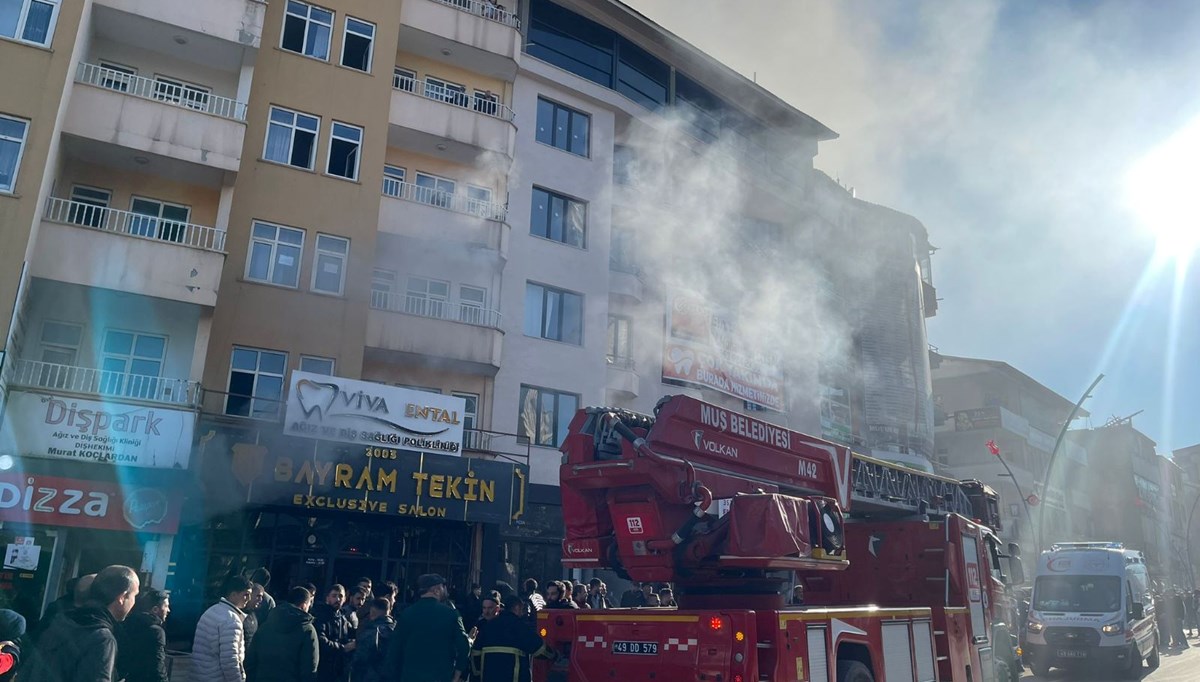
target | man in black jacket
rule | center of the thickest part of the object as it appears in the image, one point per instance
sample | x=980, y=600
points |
x=372, y=643
x=495, y=656
x=285, y=648
x=333, y=632
x=81, y=646
x=141, y=640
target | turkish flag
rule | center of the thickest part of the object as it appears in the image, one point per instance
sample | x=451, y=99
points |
x=993, y=448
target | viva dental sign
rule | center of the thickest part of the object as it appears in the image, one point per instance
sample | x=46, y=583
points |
x=107, y=433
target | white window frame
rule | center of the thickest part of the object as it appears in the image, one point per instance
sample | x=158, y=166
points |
x=317, y=358
x=343, y=257
x=186, y=91
x=12, y=188
x=333, y=135
x=44, y=345
x=384, y=287
x=109, y=82
x=472, y=312
x=346, y=30
x=485, y=102
x=23, y=17
x=124, y=383
x=274, y=244
x=78, y=215
x=393, y=180
x=451, y=91
x=312, y=162
x=159, y=221
x=308, y=22
x=438, y=197
x=404, y=79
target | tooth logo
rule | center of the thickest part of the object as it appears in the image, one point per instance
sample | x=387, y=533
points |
x=683, y=361
x=315, y=397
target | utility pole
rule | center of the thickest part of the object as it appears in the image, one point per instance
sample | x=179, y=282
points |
x=1062, y=434
x=995, y=450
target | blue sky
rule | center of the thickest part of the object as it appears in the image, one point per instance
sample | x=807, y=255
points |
x=1008, y=129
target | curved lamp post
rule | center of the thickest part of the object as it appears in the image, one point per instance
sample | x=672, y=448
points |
x=995, y=450
x=1062, y=434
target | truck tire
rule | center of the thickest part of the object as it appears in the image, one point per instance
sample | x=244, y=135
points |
x=853, y=671
x=1152, y=660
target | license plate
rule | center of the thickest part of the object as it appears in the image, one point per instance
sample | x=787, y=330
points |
x=1071, y=653
x=636, y=648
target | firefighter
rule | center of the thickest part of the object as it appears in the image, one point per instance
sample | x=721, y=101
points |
x=502, y=651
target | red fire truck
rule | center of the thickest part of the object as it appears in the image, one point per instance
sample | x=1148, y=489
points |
x=904, y=577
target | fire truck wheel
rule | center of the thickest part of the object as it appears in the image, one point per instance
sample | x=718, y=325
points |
x=853, y=671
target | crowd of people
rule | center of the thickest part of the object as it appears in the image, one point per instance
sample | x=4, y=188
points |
x=1178, y=614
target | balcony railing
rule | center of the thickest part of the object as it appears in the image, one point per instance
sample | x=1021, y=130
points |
x=440, y=92
x=488, y=210
x=435, y=308
x=488, y=10
x=621, y=362
x=89, y=381
x=167, y=92
x=625, y=265
x=134, y=224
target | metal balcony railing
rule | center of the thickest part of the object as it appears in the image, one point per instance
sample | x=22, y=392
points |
x=89, y=381
x=167, y=92
x=440, y=92
x=435, y=308
x=488, y=10
x=134, y=224
x=488, y=210
x=621, y=362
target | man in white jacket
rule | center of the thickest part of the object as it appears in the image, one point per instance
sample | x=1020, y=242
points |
x=219, y=649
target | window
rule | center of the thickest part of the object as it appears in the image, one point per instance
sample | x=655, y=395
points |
x=445, y=91
x=132, y=363
x=292, y=138
x=116, y=77
x=275, y=254
x=553, y=314
x=472, y=439
x=393, y=180
x=316, y=365
x=358, y=42
x=30, y=21
x=562, y=127
x=89, y=206
x=621, y=255
x=486, y=102
x=426, y=297
x=306, y=29
x=383, y=285
x=479, y=201
x=619, y=352
x=472, y=305
x=178, y=92
x=12, y=143
x=554, y=216
x=158, y=219
x=545, y=415
x=404, y=79
x=329, y=265
x=434, y=190
x=60, y=342
x=344, y=143
x=623, y=160
x=256, y=383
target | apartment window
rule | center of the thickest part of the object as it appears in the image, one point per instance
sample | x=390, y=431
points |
x=358, y=42
x=275, y=254
x=306, y=29
x=404, y=79
x=554, y=216
x=329, y=265
x=30, y=21
x=132, y=363
x=116, y=77
x=89, y=205
x=292, y=138
x=445, y=91
x=345, y=141
x=472, y=439
x=619, y=352
x=256, y=383
x=553, y=314
x=486, y=102
x=432, y=189
x=426, y=297
x=60, y=342
x=183, y=94
x=623, y=159
x=316, y=365
x=545, y=415
x=479, y=201
x=563, y=127
x=472, y=304
x=621, y=255
x=12, y=143
x=158, y=219
x=383, y=285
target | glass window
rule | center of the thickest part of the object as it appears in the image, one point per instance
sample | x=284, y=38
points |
x=358, y=42
x=89, y=206
x=383, y=286
x=183, y=94
x=344, y=143
x=60, y=342
x=292, y=138
x=642, y=77
x=131, y=365
x=557, y=217
x=426, y=297
x=553, y=314
x=486, y=102
x=545, y=415
x=393, y=180
x=116, y=77
x=569, y=41
x=619, y=352
x=445, y=91
x=329, y=264
x=30, y=21
x=316, y=365
x=158, y=219
x=275, y=254
x=479, y=201
x=256, y=383
x=12, y=144
x=472, y=304
x=404, y=79
x=306, y=29
x=563, y=127
x=434, y=190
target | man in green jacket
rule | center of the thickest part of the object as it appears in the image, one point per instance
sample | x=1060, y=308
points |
x=429, y=644
x=285, y=648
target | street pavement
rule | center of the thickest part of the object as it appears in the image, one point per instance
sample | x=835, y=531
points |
x=1175, y=666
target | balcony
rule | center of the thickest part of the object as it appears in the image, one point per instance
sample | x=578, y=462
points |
x=157, y=117
x=236, y=22
x=96, y=382
x=468, y=336
x=623, y=377
x=625, y=279
x=433, y=215
x=470, y=34
x=104, y=247
x=430, y=118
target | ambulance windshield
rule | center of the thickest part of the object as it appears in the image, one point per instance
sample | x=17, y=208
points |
x=1079, y=593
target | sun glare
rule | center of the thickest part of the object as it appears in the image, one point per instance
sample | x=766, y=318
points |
x=1163, y=191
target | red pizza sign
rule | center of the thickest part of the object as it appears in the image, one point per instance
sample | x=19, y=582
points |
x=77, y=503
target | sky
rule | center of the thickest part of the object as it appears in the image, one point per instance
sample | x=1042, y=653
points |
x=1012, y=131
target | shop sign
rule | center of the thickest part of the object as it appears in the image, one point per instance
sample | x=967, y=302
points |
x=384, y=481
x=77, y=503
x=362, y=412
x=979, y=418
x=835, y=415
x=102, y=432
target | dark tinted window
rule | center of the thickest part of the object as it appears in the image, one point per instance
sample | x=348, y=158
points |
x=571, y=42
x=641, y=77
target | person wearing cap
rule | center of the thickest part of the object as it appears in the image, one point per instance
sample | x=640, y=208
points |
x=429, y=644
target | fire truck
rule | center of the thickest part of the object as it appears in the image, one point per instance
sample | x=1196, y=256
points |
x=904, y=576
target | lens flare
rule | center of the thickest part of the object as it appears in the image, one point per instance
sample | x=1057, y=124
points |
x=1160, y=189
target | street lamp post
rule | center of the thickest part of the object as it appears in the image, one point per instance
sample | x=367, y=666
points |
x=995, y=450
x=1062, y=434
x=1188, y=542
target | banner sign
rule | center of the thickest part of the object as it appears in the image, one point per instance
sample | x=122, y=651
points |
x=384, y=481
x=978, y=418
x=703, y=346
x=835, y=415
x=78, y=503
x=125, y=434
x=362, y=412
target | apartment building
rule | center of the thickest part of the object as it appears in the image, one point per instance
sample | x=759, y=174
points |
x=253, y=224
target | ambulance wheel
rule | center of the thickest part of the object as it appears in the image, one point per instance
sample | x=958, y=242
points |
x=1133, y=669
x=853, y=671
x=1152, y=659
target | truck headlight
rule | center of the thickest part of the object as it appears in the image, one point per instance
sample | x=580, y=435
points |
x=1035, y=627
x=1114, y=628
